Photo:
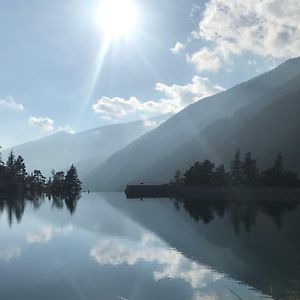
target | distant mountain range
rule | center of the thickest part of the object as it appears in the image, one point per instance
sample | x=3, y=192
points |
x=261, y=115
x=85, y=149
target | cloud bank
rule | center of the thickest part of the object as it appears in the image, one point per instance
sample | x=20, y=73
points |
x=175, y=98
x=269, y=29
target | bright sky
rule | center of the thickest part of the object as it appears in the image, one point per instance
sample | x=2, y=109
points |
x=73, y=64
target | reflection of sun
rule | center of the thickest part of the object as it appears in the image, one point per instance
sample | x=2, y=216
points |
x=117, y=18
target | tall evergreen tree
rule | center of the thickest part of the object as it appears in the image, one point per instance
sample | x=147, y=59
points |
x=249, y=170
x=278, y=165
x=200, y=174
x=20, y=167
x=11, y=161
x=1, y=161
x=72, y=182
x=58, y=181
x=177, y=180
x=236, y=168
x=220, y=176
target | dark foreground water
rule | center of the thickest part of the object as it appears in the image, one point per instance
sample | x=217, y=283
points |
x=107, y=247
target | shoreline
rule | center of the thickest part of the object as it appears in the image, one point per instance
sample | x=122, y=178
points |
x=212, y=192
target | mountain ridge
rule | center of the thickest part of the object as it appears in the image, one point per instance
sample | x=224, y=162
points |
x=132, y=163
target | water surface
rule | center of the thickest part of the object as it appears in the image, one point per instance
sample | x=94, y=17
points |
x=108, y=247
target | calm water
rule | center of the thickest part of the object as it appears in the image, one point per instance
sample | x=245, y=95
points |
x=107, y=247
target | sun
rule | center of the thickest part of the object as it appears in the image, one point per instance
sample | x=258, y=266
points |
x=118, y=18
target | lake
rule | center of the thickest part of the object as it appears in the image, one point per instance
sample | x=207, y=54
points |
x=105, y=246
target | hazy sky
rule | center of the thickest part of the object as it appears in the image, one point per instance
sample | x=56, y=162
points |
x=60, y=70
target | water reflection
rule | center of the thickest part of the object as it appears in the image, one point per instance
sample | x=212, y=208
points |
x=242, y=213
x=14, y=205
x=108, y=247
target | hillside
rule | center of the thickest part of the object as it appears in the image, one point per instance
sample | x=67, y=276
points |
x=85, y=149
x=212, y=128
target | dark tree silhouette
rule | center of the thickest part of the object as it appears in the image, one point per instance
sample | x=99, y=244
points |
x=10, y=164
x=177, y=180
x=1, y=160
x=241, y=173
x=236, y=168
x=279, y=176
x=72, y=183
x=14, y=179
x=200, y=174
x=249, y=170
x=220, y=176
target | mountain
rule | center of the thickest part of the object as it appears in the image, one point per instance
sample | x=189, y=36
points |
x=85, y=149
x=249, y=116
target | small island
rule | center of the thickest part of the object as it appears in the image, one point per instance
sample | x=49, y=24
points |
x=243, y=180
x=14, y=179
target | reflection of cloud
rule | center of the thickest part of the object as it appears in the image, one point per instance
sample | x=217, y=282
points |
x=65, y=230
x=213, y=296
x=172, y=264
x=41, y=237
x=46, y=234
x=9, y=254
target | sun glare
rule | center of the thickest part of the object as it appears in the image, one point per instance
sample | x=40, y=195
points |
x=118, y=18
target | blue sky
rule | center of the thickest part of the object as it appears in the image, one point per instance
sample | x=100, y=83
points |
x=51, y=77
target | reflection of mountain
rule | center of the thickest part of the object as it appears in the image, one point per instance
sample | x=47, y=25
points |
x=260, y=115
x=86, y=149
x=257, y=243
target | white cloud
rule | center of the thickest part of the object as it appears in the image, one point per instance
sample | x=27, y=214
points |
x=267, y=28
x=45, y=124
x=67, y=129
x=176, y=97
x=177, y=48
x=11, y=104
x=205, y=60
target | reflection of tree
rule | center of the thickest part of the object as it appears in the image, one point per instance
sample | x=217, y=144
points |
x=241, y=213
x=278, y=209
x=14, y=206
x=71, y=202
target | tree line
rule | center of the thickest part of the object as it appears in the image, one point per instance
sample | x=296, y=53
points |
x=242, y=172
x=15, y=179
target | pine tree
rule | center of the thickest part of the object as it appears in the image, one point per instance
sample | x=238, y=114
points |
x=235, y=168
x=20, y=167
x=200, y=173
x=11, y=161
x=278, y=166
x=177, y=180
x=249, y=170
x=220, y=176
x=1, y=161
x=58, y=181
x=72, y=182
